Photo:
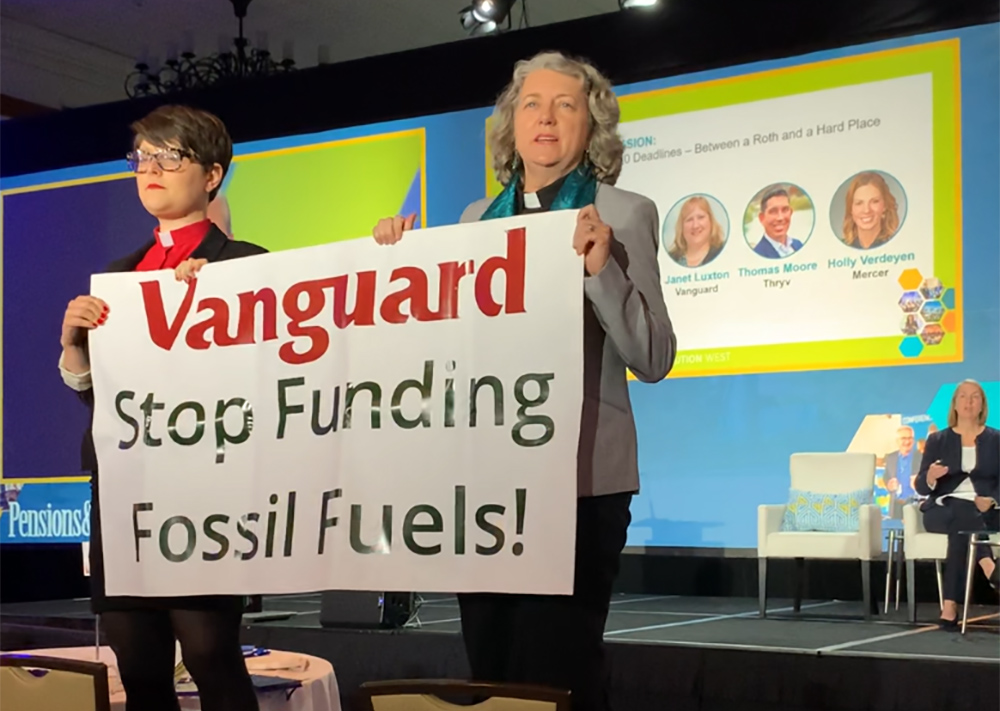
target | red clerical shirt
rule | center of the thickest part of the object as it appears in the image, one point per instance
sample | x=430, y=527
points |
x=173, y=247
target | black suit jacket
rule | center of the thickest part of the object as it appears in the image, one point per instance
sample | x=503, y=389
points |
x=215, y=247
x=946, y=446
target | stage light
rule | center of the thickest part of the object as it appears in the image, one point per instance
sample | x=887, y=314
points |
x=628, y=4
x=491, y=10
x=484, y=16
x=484, y=28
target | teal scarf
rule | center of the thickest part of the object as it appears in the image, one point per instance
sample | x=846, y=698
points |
x=576, y=192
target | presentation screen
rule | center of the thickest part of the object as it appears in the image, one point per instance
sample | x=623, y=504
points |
x=831, y=209
x=827, y=251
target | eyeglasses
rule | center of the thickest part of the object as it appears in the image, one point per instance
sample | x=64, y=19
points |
x=169, y=160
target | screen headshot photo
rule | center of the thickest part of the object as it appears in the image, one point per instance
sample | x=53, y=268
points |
x=695, y=230
x=779, y=220
x=868, y=209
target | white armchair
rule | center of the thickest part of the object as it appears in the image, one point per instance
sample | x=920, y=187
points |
x=919, y=544
x=826, y=473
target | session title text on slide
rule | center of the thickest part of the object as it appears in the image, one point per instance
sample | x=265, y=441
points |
x=637, y=149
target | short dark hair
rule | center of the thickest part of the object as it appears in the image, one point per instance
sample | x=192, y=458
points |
x=776, y=192
x=199, y=132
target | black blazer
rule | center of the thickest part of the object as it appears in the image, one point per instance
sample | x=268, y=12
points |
x=946, y=446
x=215, y=247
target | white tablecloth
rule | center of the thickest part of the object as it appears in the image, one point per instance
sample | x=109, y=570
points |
x=318, y=692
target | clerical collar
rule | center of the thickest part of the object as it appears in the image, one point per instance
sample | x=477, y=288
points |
x=183, y=236
x=541, y=200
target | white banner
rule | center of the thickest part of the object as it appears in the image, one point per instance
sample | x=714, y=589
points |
x=305, y=420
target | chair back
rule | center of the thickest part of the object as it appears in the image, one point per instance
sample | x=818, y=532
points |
x=832, y=472
x=430, y=695
x=30, y=683
x=913, y=521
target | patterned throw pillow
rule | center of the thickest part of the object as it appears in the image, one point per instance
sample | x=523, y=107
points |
x=830, y=513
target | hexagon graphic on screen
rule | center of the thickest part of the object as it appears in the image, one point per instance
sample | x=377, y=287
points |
x=911, y=324
x=910, y=301
x=932, y=311
x=911, y=347
x=932, y=334
x=910, y=279
x=931, y=288
x=325, y=192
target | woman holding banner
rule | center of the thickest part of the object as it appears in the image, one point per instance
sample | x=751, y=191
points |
x=556, y=146
x=180, y=157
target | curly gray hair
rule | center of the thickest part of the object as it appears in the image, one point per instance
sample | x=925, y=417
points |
x=605, y=148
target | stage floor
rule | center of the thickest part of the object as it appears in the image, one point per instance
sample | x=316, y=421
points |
x=704, y=653
x=822, y=627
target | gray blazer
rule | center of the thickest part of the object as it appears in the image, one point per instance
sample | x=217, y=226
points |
x=625, y=325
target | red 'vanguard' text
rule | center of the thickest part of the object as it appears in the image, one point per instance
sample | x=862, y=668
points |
x=408, y=301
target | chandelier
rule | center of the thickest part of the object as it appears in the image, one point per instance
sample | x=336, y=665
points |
x=188, y=72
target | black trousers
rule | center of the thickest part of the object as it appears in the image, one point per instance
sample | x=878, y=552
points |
x=555, y=640
x=143, y=642
x=952, y=516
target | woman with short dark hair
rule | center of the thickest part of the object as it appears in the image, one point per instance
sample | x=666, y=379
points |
x=180, y=156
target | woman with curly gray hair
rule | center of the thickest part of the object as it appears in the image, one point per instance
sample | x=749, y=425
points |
x=556, y=146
